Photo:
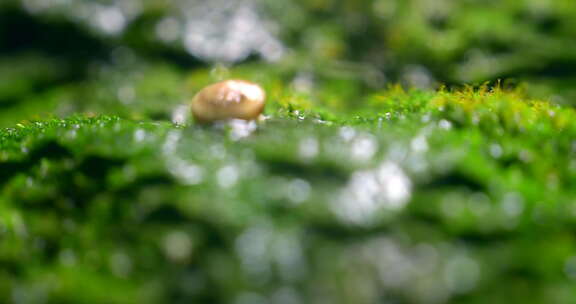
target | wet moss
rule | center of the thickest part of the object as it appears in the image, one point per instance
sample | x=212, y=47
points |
x=418, y=195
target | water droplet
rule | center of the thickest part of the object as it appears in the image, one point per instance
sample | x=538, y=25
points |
x=445, y=124
x=139, y=135
x=303, y=82
x=513, y=204
x=168, y=29
x=171, y=142
x=308, y=148
x=496, y=150
x=229, y=31
x=419, y=144
x=177, y=246
x=461, y=274
x=363, y=147
x=298, y=190
x=71, y=134
x=239, y=128
x=228, y=176
x=286, y=295
x=109, y=19
x=287, y=253
x=251, y=298
x=418, y=77
x=426, y=118
x=181, y=114
x=188, y=173
x=67, y=257
x=252, y=247
x=126, y=94
x=570, y=268
x=120, y=264
x=347, y=133
x=525, y=156
x=370, y=191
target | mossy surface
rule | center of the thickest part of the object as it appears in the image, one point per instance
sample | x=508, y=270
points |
x=346, y=193
x=460, y=196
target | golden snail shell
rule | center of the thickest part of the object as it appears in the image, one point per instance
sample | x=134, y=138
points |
x=230, y=99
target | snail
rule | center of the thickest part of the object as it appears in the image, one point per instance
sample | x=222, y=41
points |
x=226, y=100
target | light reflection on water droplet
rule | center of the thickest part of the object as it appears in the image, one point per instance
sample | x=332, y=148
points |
x=525, y=156
x=286, y=295
x=228, y=31
x=220, y=72
x=380, y=122
x=419, y=144
x=177, y=246
x=139, y=135
x=445, y=124
x=395, y=267
x=426, y=118
x=513, y=204
x=109, y=19
x=452, y=205
x=71, y=134
x=218, y=151
x=347, y=133
x=239, y=128
x=287, y=253
x=168, y=29
x=172, y=139
x=417, y=164
x=480, y=204
x=298, y=190
x=215, y=30
x=308, y=148
x=461, y=274
x=418, y=77
x=404, y=267
x=67, y=257
x=36, y=6
x=228, y=176
x=186, y=172
x=384, y=188
x=181, y=114
x=251, y=298
x=303, y=82
x=126, y=94
x=398, y=153
x=395, y=184
x=363, y=147
x=120, y=264
x=570, y=268
x=496, y=150
x=252, y=248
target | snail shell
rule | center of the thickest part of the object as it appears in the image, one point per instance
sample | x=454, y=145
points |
x=230, y=99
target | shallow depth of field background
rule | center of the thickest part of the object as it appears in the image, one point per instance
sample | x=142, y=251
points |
x=459, y=188
x=353, y=46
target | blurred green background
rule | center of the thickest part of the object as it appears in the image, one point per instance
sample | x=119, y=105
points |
x=354, y=191
x=353, y=46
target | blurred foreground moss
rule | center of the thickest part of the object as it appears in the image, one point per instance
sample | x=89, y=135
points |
x=417, y=197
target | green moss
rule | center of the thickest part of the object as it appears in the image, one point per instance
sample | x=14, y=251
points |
x=418, y=194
